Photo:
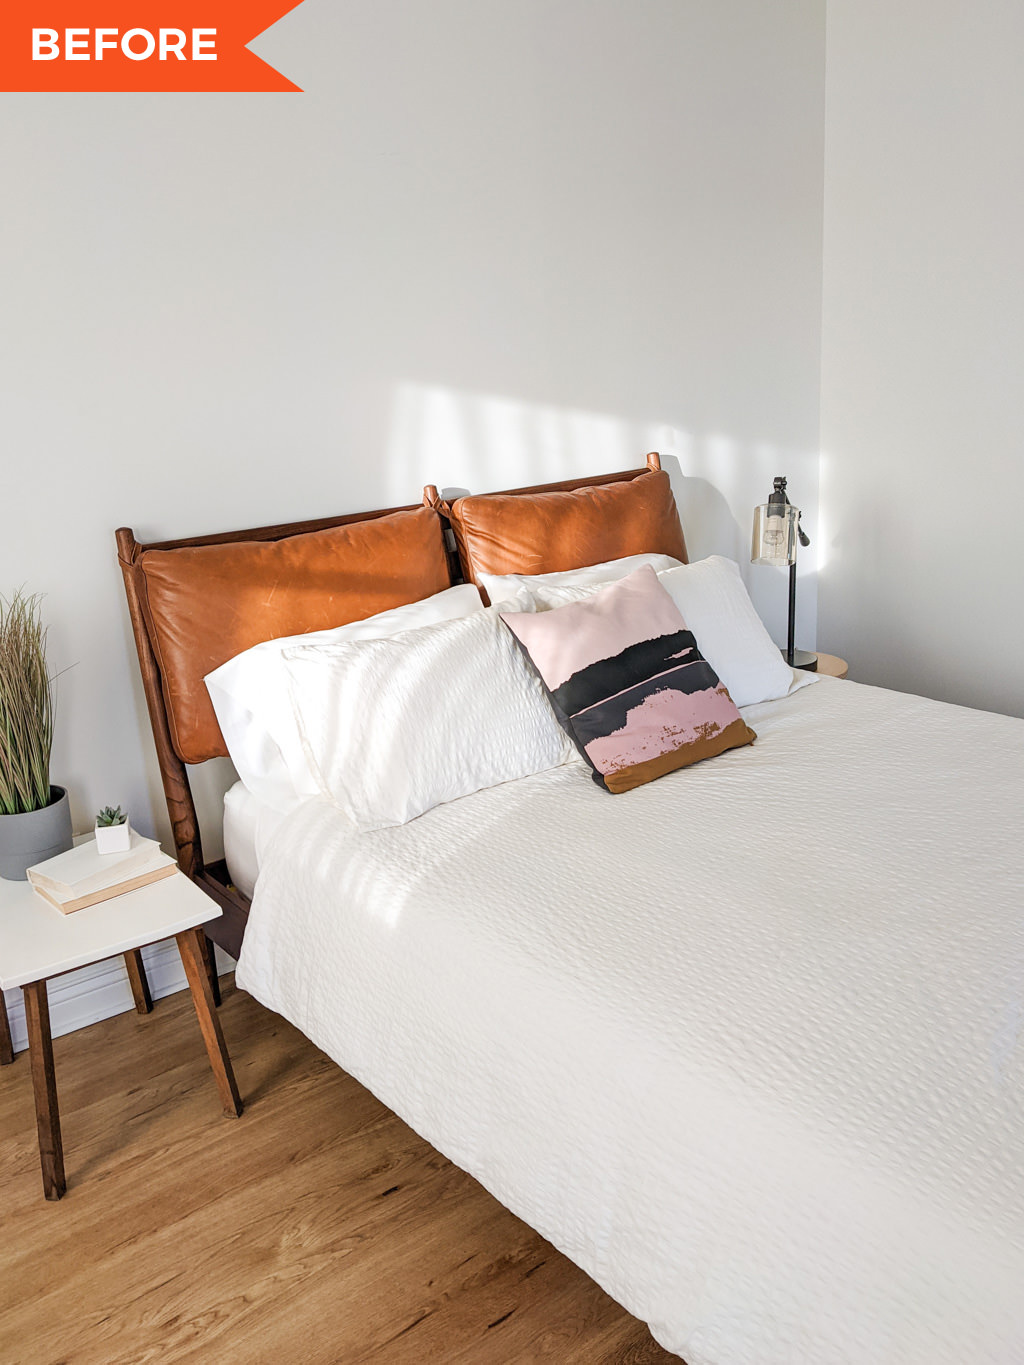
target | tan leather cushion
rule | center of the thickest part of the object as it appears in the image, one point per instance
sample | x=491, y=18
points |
x=205, y=604
x=547, y=532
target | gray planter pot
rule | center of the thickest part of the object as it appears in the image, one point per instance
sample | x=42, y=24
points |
x=38, y=834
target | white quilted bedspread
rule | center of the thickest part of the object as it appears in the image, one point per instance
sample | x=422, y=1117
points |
x=745, y=1043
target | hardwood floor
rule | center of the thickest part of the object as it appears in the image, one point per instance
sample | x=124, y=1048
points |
x=318, y=1228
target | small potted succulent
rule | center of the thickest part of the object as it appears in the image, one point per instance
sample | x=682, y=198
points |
x=113, y=832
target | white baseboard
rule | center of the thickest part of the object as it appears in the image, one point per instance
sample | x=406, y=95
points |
x=102, y=990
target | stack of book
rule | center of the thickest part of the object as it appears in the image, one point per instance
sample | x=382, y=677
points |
x=83, y=877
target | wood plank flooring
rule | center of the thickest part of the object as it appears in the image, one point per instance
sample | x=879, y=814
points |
x=317, y=1229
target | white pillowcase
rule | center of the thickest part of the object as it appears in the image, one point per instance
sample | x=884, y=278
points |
x=253, y=707
x=507, y=587
x=395, y=727
x=716, y=607
x=732, y=637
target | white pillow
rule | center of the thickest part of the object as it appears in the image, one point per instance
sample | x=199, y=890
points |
x=732, y=637
x=505, y=587
x=395, y=727
x=716, y=607
x=514, y=599
x=250, y=696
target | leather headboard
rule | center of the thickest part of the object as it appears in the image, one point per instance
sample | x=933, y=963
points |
x=569, y=525
x=203, y=603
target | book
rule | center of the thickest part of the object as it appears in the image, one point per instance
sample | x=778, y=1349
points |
x=82, y=877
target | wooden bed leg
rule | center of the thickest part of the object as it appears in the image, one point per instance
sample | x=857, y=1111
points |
x=6, y=1045
x=44, y=1086
x=210, y=960
x=139, y=981
x=190, y=945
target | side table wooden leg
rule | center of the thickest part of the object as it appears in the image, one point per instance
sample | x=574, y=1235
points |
x=210, y=958
x=6, y=1045
x=193, y=959
x=44, y=1086
x=139, y=981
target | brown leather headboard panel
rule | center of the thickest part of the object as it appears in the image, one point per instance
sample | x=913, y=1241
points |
x=568, y=525
x=203, y=603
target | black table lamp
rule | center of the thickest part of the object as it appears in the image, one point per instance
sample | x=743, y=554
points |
x=777, y=530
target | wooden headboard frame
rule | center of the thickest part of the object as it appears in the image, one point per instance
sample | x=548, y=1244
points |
x=212, y=877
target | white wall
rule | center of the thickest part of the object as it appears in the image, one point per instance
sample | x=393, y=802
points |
x=496, y=242
x=922, y=587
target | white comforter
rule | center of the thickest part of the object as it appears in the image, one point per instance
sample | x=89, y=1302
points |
x=745, y=1043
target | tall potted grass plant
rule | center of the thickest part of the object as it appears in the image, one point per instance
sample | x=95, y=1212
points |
x=35, y=819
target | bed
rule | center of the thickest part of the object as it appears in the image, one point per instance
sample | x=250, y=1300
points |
x=745, y=1042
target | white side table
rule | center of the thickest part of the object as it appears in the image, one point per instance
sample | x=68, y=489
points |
x=38, y=942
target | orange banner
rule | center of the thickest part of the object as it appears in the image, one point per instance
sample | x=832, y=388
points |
x=135, y=45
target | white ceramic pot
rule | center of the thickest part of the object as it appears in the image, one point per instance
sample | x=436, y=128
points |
x=113, y=838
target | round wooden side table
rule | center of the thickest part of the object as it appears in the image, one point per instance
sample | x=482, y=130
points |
x=832, y=665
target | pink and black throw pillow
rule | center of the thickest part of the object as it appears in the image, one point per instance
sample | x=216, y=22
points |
x=628, y=683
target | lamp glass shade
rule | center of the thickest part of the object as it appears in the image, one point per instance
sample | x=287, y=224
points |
x=774, y=538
